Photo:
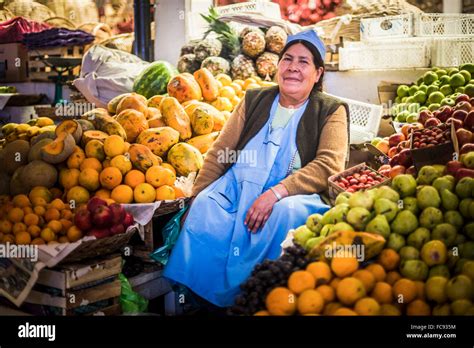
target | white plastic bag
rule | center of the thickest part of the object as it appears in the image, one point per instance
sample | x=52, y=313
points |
x=106, y=73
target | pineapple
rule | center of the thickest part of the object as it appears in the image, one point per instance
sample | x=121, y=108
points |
x=225, y=34
x=253, y=44
x=188, y=63
x=267, y=65
x=247, y=30
x=276, y=39
x=207, y=48
x=216, y=65
x=242, y=67
x=188, y=48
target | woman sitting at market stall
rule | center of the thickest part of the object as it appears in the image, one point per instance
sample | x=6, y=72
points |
x=262, y=176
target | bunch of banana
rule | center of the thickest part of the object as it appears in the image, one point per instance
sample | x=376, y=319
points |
x=26, y=131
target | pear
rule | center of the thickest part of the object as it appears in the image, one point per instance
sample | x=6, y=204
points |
x=342, y=226
x=445, y=233
x=430, y=217
x=459, y=287
x=302, y=234
x=460, y=307
x=395, y=241
x=440, y=168
x=439, y=271
x=465, y=187
x=454, y=218
x=414, y=269
x=358, y=217
x=386, y=207
x=419, y=237
x=388, y=193
x=409, y=253
x=313, y=222
x=435, y=289
x=312, y=242
x=444, y=183
x=326, y=230
x=343, y=197
x=361, y=199
x=428, y=196
x=469, y=230
x=335, y=214
x=411, y=204
x=379, y=225
x=427, y=175
x=405, y=185
x=449, y=200
x=464, y=207
x=404, y=223
x=441, y=310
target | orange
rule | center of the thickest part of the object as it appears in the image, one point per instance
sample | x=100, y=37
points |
x=122, y=163
x=74, y=234
x=350, y=290
x=16, y=215
x=377, y=271
x=55, y=225
x=404, y=290
x=281, y=301
x=420, y=290
x=76, y=159
x=65, y=225
x=170, y=167
x=21, y=201
x=19, y=227
x=366, y=278
x=178, y=193
x=320, y=271
x=261, y=313
x=22, y=238
x=57, y=204
x=335, y=282
x=330, y=308
x=69, y=178
x=6, y=226
x=382, y=292
x=392, y=277
x=63, y=239
x=27, y=210
x=133, y=178
x=300, y=281
x=52, y=214
x=95, y=149
x=39, y=202
x=77, y=196
x=367, y=306
x=103, y=193
x=38, y=241
x=110, y=177
x=56, y=192
x=164, y=193
x=327, y=292
x=344, y=312
x=89, y=179
x=310, y=301
x=31, y=219
x=418, y=308
x=389, y=310
x=122, y=194
x=114, y=145
x=48, y=235
x=34, y=231
x=106, y=163
x=53, y=242
x=66, y=214
x=8, y=238
x=159, y=176
x=144, y=193
x=109, y=201
x=344, y=265
x=389, y=259
x=92, y=163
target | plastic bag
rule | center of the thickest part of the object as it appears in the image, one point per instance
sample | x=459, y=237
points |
x=131, y=301
x=170, y=235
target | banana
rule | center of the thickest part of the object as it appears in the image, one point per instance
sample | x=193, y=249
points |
x=23, y=136
x=22, y=128
x=370, y=244
x=32, y=131
x=45, y=129
x=32, y=122
x=44, y=122
x=8, y=128
x=11, y=137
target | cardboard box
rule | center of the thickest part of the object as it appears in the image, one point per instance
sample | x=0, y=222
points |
x=13, y=63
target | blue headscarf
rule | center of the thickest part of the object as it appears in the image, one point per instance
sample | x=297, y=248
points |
x=310, y=37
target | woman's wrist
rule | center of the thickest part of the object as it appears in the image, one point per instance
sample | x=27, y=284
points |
x=281, y=190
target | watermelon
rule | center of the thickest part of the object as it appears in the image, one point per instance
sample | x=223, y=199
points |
x=154, y=79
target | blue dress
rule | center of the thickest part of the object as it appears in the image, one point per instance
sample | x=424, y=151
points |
x=215, y=252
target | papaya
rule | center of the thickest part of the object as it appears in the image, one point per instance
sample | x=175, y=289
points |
x=133, y=122
x=112, y=104
x=185, y=158
x=133, y=101
x=203, y=142
x=184, y=87
x=42, y=135
x=90, y=115
x=59, y=149
x=154, y=102
x=153, y=112
x=219, y=121
x=86, y=125
x=35, y=150
x=156, y=122
x=219, y=118
x=175, y=117
x=208, y=84
x=72, y=127
x=202, y=122
x=109, y=125
x=93, y=134
x=159, y=140
x=142, y=158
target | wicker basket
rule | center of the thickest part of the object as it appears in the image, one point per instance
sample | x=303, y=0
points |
x=60, y=22
x=77, y=11
x=6, y=14
x=334, y=189
x=31, y=10
x=168, y=207
x=123, y=42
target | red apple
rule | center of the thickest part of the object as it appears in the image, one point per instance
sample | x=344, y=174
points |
x=464, y=172
x=403, y=145
x=117, y=229
x=397, y=170
x=394, y=161
x=424, y=116
x=469, y=147
x=99, y=232
x=411, y=170
x=82, y=220
x=471, y=100
x=94, y=203
x=463, y=105
x=457, y=123
x=405, y=158
x=462, y=97
x=395, y=139
x=445, y=112
x=102, y=216
x=460, y=115
x=406, y=130
x=464, y=136
x=128, y=220
x=392, y=151
x=432, y=122
x=118, y=213
x=452, y=167
x=469, y=121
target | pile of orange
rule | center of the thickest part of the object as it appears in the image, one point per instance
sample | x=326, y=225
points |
x=39, y=218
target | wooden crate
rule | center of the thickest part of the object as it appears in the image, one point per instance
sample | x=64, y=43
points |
x=39, y=71
x=87, y=288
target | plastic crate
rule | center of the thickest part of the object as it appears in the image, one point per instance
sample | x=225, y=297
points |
x=444, y=24
x=386, y=27
x=364, y=120
x=261, y=7
x=452, y=52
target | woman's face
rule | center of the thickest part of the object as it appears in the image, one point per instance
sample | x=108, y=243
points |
x=297, y=73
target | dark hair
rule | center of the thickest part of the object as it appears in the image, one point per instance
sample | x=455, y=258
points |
x=317, y=59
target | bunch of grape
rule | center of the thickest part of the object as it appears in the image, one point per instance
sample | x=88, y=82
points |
x=266, y=276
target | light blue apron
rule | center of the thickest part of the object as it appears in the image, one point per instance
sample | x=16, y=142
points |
x=215, y=252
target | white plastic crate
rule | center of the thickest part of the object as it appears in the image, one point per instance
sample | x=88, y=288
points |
x=364, y=120
x=444, y=24
x=453, y=52
x=387, y=27
x=261, y=7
